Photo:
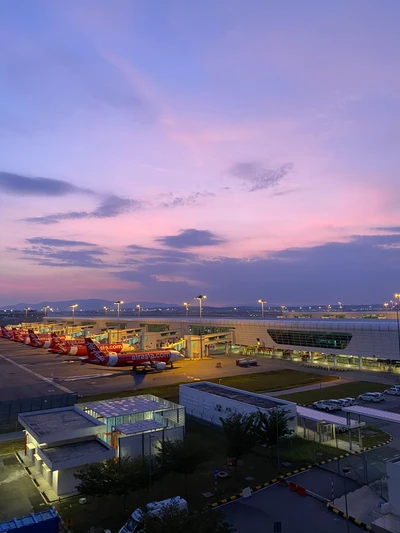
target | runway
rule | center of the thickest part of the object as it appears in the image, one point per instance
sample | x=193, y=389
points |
x=36, y=367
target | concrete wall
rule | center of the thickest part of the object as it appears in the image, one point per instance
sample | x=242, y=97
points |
x=64, y=481
x=140, y=444
x=211, y=408
x=393, y=471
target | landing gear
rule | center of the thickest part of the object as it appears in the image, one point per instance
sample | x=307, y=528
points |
x=172, y=365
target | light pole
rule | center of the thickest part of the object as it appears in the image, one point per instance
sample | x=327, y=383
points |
x=26, y=309
x=201, y=297
x=262, y=302
x=138, y=308
x=186, y=308
x=105, y=309
x=340, y=305
x=118, y=304
x=45, y=310
x=385, y=306
x=397, y=296
x=345, y=471
x=73, y=307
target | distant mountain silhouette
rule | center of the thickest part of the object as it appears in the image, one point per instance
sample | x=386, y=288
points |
x=85, y=305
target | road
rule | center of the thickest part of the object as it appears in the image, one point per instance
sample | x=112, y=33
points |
x=297, y=514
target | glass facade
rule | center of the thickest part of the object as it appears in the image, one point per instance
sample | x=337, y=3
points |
x=311, y=339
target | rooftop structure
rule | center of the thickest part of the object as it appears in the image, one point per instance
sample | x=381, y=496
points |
x=126, y=406
x=319, y=416
x=76, y=454
x=238, y=395
x=139, y=427
x=52, y=425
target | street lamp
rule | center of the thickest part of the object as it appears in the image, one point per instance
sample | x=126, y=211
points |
x=346, y=470
x=26, y=309
x=186, y=308
x=340, y=305
x=138, y=308
x=262, y=302
x=45, y=310
x=105, y=309
x=397, y=296
x=201, y=297
x=73, y=307
x=118, y=304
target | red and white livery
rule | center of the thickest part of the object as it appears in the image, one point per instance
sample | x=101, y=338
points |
x=156, y=360
x=68, y=348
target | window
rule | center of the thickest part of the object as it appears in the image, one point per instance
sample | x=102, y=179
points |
x=311, y=339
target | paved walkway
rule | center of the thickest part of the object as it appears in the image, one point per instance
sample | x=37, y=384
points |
x=321, y=385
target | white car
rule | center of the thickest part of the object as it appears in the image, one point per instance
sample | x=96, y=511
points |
x=323, y=405
x=337, y=404
x=350, y=401
x=344, y=402
x=394, y=391
x=371, y=397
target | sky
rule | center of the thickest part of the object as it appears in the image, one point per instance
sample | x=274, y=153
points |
x=152, y=151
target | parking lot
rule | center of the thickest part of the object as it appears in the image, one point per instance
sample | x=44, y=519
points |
x=297, y=514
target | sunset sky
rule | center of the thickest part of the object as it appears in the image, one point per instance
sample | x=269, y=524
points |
x=153, y=150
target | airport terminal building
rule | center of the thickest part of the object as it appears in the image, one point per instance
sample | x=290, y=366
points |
x=356, y=343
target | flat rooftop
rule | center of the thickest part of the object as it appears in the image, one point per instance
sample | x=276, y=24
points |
x=48, y=423
x=234, y=394
x=125, y=406
x=76, y=450
x=139, y=427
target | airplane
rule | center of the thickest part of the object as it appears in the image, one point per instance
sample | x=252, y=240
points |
x=60, y=345
x=19, y=335
x=156, y=360
x=38, y=341
x=67, y=348
x=6, y=333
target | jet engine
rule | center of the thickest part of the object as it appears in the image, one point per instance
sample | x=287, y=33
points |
x=160, y=366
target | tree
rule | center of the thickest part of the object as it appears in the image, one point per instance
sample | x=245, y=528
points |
x=180, y=456
x=272, y=426
x=174, y=520
x=240, y=434
x=119, y=477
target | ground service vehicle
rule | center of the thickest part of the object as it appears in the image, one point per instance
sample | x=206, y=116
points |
x=246, y=362
x=155, y=510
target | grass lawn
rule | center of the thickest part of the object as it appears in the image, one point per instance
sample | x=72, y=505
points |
x=108, y=512
x=371, y=436
x=11, y=446
x=258, y=382
x=352, y=389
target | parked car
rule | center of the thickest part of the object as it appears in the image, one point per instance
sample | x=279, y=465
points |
x=337, y=404
x=394, y=391
x=371, y=397
x=344, y=402
x=323, y=405
x=350, y=400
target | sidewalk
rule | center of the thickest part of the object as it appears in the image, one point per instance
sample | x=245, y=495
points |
x=321, y=385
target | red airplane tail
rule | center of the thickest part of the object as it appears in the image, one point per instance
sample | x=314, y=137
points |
x=7, y=334
x=57, y=345
x=94, y=354
x=34, y=339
